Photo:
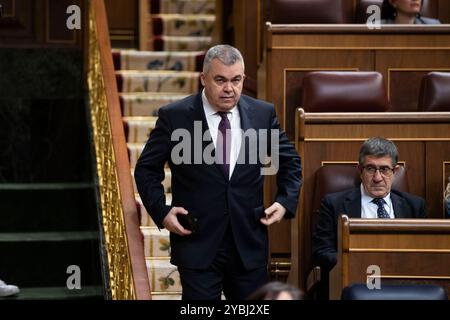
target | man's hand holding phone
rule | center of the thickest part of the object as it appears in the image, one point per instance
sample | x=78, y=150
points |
x=176, y=218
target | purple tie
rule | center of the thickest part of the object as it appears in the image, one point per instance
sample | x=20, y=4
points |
x=224, y=143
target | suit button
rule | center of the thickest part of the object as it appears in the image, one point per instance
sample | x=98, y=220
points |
x=225, y=212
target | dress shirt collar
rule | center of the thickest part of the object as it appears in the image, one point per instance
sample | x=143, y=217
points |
x=210, y=110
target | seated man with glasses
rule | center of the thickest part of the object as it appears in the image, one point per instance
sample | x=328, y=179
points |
x=374, y=198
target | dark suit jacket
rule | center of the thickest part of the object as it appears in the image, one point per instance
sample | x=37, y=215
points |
x=207, y=194
x=349, y=203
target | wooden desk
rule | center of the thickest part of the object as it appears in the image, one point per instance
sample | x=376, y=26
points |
x=407, y=251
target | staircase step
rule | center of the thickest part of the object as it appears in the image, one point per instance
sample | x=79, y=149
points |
x=48, y=207
x=158, y=60
x=49, y=217
x=166, y=43
x=145, y=219
x=166, y=182
x=156, y=242
x=158, y=81
x=134, y=151
x=138, y=129
x=46, y=186
x=163, y=275
x=48, y=236
x=42, y=259
x=35, y=132
x=146, y=103
x=179, y=25
x=182, y=6
x=166, y=296
x=44, y=72
x=58, y=293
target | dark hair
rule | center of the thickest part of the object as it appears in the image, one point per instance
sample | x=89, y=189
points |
x=271, y=291
x=378, y=147
x=388, y=12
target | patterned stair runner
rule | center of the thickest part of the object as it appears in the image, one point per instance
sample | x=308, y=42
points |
x=147, y=80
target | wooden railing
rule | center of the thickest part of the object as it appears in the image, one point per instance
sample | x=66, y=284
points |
x=123, y=239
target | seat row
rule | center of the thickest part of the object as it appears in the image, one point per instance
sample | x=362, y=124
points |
x=331, y=11
x=329, y=91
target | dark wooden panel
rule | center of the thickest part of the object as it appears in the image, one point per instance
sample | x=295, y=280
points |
x=249, y=43
x=123, y=22
x=404, y=90
x=403, y=72
x=280, y=243
x=8, y=8
x=56, y=28
x=444, y=11
x=17, y=20
x=122, y=14
x=438, y=172
x=40, y=23
x=416, y=268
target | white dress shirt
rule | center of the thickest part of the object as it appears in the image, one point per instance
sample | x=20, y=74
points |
x=213, y=120
x=369, y=209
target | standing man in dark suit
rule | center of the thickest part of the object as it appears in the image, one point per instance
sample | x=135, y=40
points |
x=374, y=198
x=210, y=141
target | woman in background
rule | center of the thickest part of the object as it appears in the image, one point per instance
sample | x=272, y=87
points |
x=404, y=12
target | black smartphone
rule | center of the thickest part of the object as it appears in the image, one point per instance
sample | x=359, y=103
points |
x=188, y=222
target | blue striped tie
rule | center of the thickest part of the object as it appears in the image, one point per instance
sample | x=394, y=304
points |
x=382, y=213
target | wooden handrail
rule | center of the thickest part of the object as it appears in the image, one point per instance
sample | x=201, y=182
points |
x=375, y=117
x=355, y=28
x=400, y=225
x=134, y=237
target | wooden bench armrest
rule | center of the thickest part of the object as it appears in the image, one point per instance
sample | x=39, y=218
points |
x=313, y=279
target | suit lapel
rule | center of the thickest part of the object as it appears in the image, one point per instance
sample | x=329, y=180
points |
x=398, y=203
x=198, y=114
x=352, y=204
x=246, y=115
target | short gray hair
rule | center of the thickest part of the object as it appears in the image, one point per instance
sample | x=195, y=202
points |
x=227, y=54
x=378, y=147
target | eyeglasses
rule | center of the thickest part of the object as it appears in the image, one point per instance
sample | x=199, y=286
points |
x=384, y=170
